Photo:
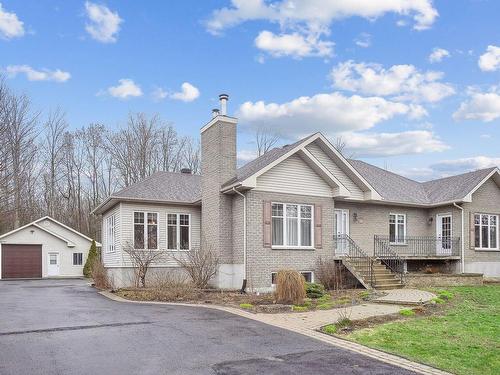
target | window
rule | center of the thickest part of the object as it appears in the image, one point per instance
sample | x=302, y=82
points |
x=308, y=276
x=486, y=231
x=146, y=230
x=397, y=228
x=110, y=230
x=77, y=259
x=178, y=231
x=292, y=225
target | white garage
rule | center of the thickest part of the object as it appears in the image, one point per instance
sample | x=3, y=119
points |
x=43, y=248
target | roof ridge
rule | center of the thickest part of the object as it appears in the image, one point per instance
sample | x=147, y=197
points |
x=385, y=170
x=460, y=174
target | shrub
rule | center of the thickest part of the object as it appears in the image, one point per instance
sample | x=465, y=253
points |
x=100, y=275
x=167, y=286
x=330, y=329
x=201, y=264
x=438, y=300
x=93, y=255
x=324, y=306
x=444, y=294
x=315, y=290
x=344, y=322
x=333, y=275
x=290, y=287
x=300, y=308
x=246, y=306
x=407, y=312
x=326, y=298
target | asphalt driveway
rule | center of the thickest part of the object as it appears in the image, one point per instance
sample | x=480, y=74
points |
x=65, y=327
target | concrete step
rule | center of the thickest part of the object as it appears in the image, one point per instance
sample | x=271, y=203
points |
x=388, y=285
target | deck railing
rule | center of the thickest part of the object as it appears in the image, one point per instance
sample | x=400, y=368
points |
x=419, y=246
x=390, y=258
x=355, y=255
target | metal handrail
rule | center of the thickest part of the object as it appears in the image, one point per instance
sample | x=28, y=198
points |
x=389, y=257
x=356, y=255
x=424, y=246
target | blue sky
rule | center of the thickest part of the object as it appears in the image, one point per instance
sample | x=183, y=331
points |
x=359, y=70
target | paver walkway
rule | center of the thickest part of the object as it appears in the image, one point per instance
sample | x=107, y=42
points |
x=406, y=296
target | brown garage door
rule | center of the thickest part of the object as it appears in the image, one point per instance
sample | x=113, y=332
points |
x=21, y=261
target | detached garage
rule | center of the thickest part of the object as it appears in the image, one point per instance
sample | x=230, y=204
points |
x=43, y=248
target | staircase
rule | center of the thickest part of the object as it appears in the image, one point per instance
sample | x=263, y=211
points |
x=370, y=272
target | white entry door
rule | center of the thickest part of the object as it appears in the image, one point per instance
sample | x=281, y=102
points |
x=341, y=229
x=444, y=234
x=53, y=266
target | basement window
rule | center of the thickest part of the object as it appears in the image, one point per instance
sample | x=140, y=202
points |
x=308, y=276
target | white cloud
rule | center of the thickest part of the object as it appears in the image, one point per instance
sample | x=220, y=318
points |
x=37, y=75
x=125, y=89
x=103, y=24
x=438, y=54
x=329, y=113
x=159, y=94
x=403, y=82
x=187, y=94
x=490, y=60
x=465, y=164
x=364, y=40
x=245, y=156
x=392, y=144
x=294, y=44
x=10, y=25
x=317, y=14
x=480, y=106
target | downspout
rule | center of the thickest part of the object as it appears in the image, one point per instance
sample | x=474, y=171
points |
x=244, y=285
x=462, y=242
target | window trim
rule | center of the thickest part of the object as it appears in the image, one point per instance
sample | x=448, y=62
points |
x=295, y=247
x=301, y=272
x=77, y=265
x=178, y=231
x=146, y=229
x=402, y=243
x=110, y=245
x=497, y=248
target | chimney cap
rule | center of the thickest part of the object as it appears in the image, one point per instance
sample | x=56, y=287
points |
x=186, y=171
x=224, y=96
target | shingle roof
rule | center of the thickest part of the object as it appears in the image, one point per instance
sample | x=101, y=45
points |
x=455, y=187
x=396, y=188
x=165, y=186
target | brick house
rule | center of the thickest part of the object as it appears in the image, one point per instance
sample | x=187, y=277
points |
x=300, y=202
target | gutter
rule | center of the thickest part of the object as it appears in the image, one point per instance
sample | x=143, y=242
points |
x=462, y=243
x=244, y=285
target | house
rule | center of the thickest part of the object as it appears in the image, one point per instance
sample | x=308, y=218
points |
x=43, y=248
x=300, y=202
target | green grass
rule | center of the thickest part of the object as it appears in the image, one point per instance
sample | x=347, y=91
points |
x=246, y=306
x=300, y=308
x=464, y=340
x=407, y=312
x=330, y=329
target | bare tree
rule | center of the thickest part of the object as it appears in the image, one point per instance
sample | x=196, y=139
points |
x=192, y=155
x=142, y=260
x=265, y=140
x=200, y=264
x=55, y=128
x=340, y=145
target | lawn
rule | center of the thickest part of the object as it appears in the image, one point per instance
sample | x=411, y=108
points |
x=465, y=339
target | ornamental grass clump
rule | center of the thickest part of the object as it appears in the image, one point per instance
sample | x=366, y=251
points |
x=290, y=287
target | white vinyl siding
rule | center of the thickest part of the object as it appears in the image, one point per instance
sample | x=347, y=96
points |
x=328, y=163
x=112, y=259
x=294, y=176
x=127, y=211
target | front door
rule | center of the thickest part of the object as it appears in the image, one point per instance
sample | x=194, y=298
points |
x=444, y=235
x=341, y=230
x=53, y=266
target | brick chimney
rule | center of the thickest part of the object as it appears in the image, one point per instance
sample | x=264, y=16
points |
x=218, y=165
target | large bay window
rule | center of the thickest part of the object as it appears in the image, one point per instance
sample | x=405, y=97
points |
x=486, y=231
x=397, y=228
x=178, y=231
x=292, y=225
x=110, y=233
x=146, y=230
